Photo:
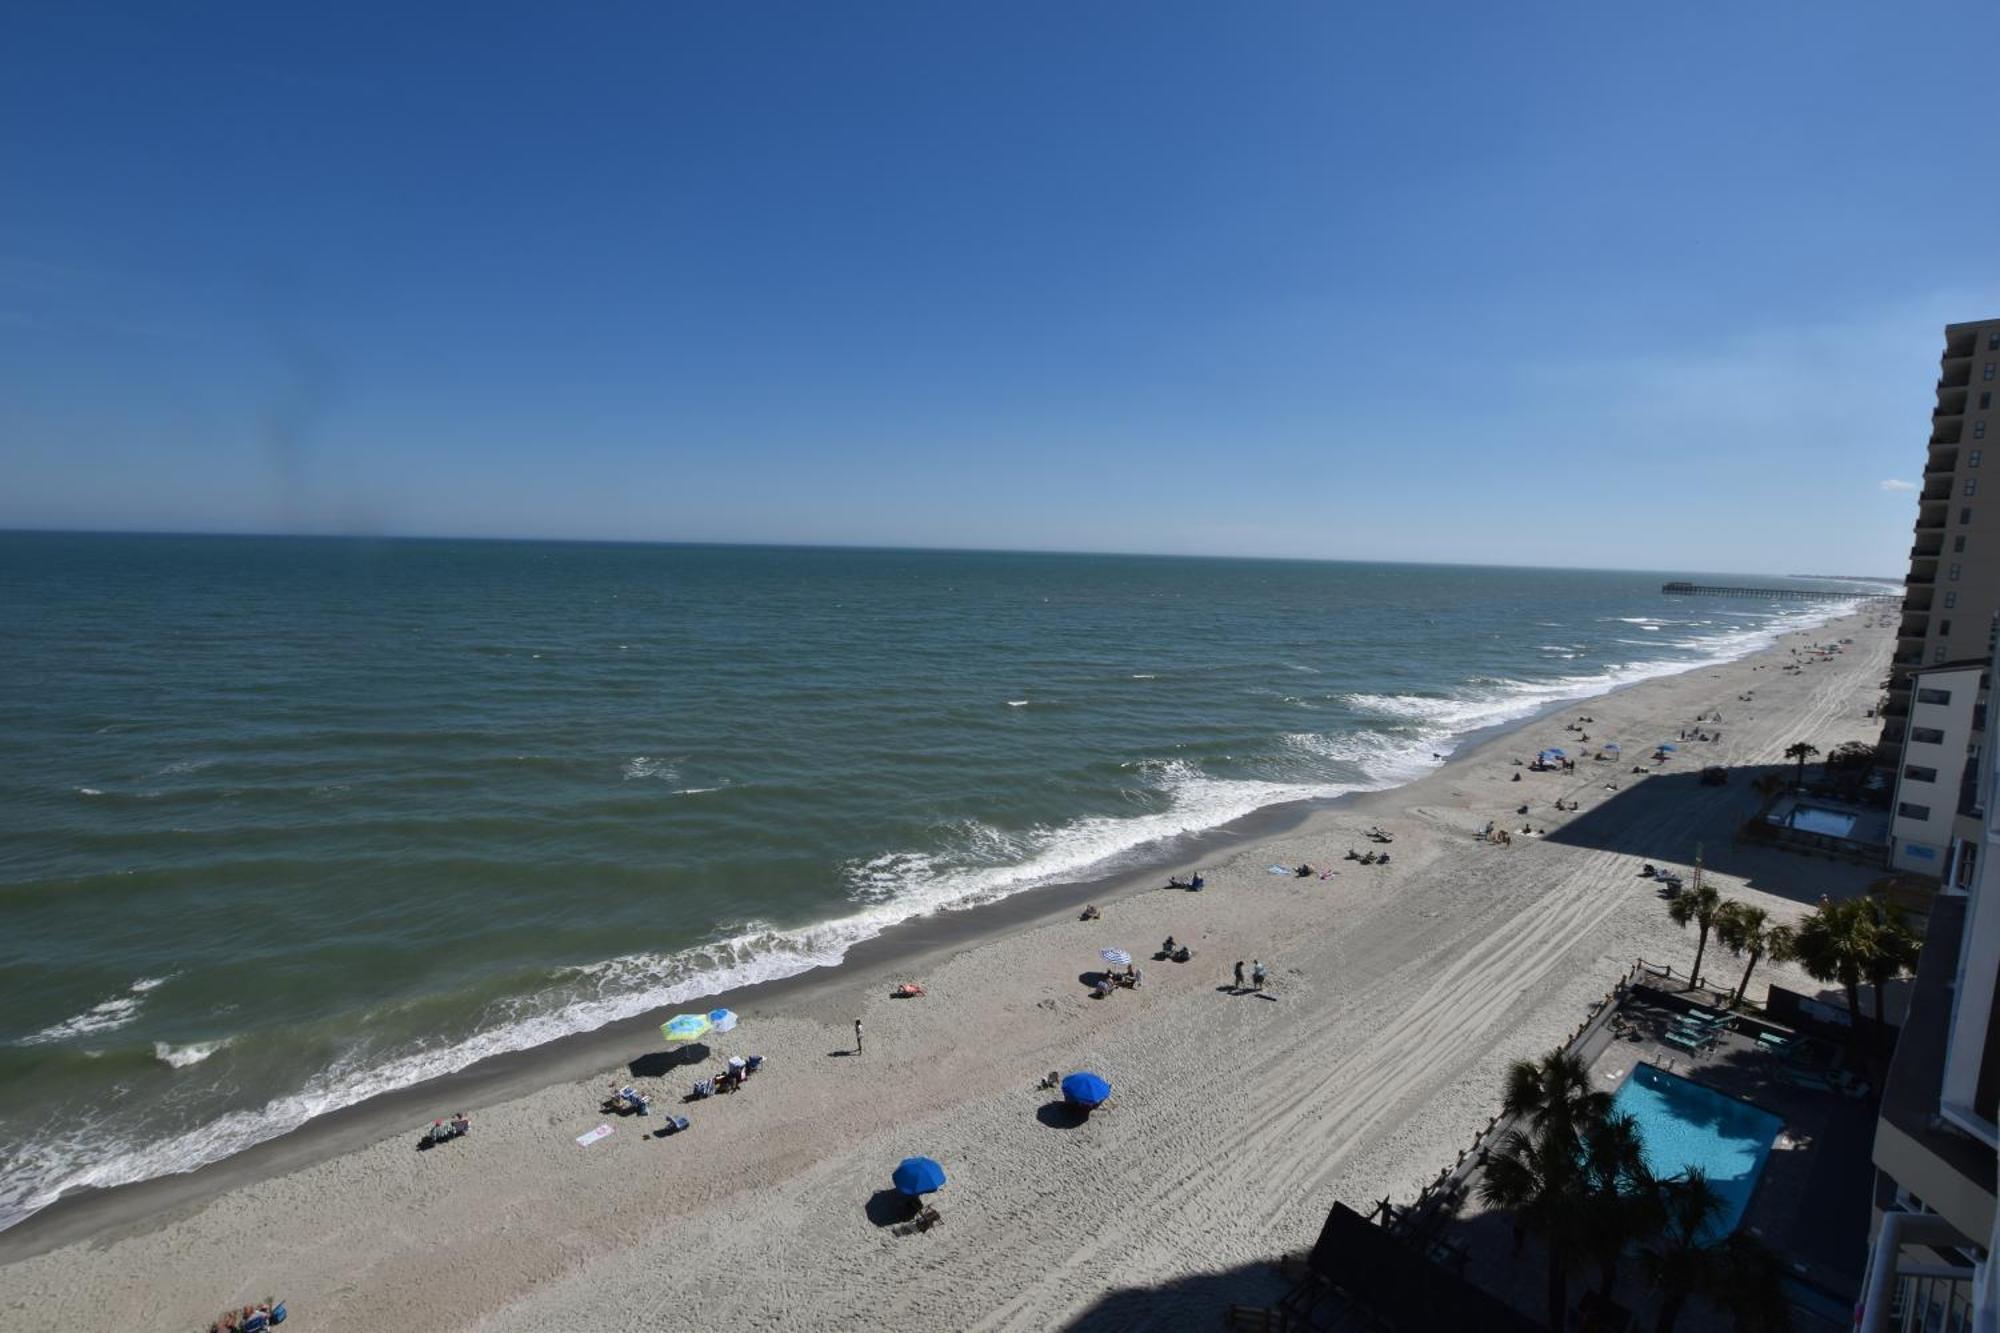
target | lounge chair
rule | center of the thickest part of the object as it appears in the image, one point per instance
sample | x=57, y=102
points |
x=703, y=1088
x=1771, y=1041
x=674, y=1125
x=1691, y=1042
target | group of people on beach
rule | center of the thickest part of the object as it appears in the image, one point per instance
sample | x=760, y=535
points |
x=1257, y=975
x=250, y=1319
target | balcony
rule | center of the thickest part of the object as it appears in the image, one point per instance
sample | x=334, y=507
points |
x=1922, y=552
x=1957, y=374
x=1920, y=580
x=1948, y=430
x=1942, y=464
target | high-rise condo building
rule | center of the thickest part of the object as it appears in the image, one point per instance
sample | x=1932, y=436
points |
x=1952, y=595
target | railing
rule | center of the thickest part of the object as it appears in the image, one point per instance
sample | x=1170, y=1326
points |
x=1931, y=1303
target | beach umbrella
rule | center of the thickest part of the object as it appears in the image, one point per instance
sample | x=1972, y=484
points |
x=1115, y=957
x=685, y=1027
x=1613, y=746
x=1668, y=746
x=722, y=1020
x=1554, y=751
x=1085, y=1089
x=917, y=1175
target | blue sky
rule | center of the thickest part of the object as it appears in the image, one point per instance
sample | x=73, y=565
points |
x=1655, y=286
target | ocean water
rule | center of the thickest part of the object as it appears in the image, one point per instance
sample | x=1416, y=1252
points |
x=287, y=823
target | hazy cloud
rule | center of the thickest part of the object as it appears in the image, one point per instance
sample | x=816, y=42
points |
x=1894, y=485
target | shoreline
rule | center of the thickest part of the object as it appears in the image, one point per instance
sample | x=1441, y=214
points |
x=135, y=1208
x=1398, y=996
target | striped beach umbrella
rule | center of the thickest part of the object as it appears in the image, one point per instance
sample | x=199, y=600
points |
x=1115, y=957
x=685, y=1027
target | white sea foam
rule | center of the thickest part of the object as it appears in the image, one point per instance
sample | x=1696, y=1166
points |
x=180, y=1057
x=641, y=766
x=107, y=1016
x=88, y=791
x=1017, y=703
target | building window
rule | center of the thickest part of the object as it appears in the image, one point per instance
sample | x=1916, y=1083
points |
x=1933, y=697
x=1971, y=487
x=1918, y=773
x=1953, y=574
x=1993, y=342
x=1958, y=544
x=1978, y=433
x=1985, y=399
x=1918, y=851
x=1937, y=656
x=1965, y=514
x=1911, y=811
x=1927, y=735
x=1987, y=373
x=1951, y=601
x=1944, y=629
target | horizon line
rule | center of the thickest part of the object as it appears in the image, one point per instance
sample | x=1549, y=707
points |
x=252, y=535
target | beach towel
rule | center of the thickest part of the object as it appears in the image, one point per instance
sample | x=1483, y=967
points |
x=602, y=1131
x=1278, y=870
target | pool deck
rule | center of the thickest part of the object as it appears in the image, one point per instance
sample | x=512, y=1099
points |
x=1810, y=1203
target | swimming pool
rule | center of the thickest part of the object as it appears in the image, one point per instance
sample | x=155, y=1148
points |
x=1812, y=819
x=1683, y=1124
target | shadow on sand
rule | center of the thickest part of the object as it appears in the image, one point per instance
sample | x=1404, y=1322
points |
x=1663, y=816
x=658, y=1064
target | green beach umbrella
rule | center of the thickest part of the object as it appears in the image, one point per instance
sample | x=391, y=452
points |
x=685, y=1027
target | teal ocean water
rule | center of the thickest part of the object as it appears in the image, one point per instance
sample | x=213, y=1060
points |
x=287, y=823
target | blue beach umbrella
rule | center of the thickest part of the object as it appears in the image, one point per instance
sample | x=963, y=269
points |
x=1613, y=746
x=918, y=1175
x=722, y=1020
x=1085, y=1089
x=1668, y=746
x=1554, y=751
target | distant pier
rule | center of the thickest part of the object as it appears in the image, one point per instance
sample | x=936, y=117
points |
x=1788, y=594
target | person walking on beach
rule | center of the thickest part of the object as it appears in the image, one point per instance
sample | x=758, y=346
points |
x=1256, y=974
x=857, y=1036
x=1239, y=974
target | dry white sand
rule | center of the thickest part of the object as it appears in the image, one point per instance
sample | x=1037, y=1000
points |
x=1398, y=995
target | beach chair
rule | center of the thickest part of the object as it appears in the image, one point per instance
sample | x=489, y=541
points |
x=1771, y=1041
x=703, y=1088
x=674, y=1125
x=1691, y=1042
x=753, y=1064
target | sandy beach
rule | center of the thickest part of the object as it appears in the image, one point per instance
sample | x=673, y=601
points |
x=1398, y=994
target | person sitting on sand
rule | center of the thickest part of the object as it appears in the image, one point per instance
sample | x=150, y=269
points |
x=1183, y=954
x=1090, y=913
x=1102, y=986
x=461, y=1123
x=1168, y=946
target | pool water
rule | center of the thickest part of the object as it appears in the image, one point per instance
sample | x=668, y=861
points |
x=1832, y=823
x=1683, y=1124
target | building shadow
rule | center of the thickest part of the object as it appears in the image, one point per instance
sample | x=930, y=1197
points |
x=1201, y=1300
x=1666, y=815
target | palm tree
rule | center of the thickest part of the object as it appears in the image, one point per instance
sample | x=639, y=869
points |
x=1836, y=944
x=1698, y=904
x=1618, y=1207
x=1801, y=751
x=1749, y=1284
x=1680, y=1261
x=1895, y=951
x=1748, y=930
x=1554, y=1091
x=1539, y=1178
